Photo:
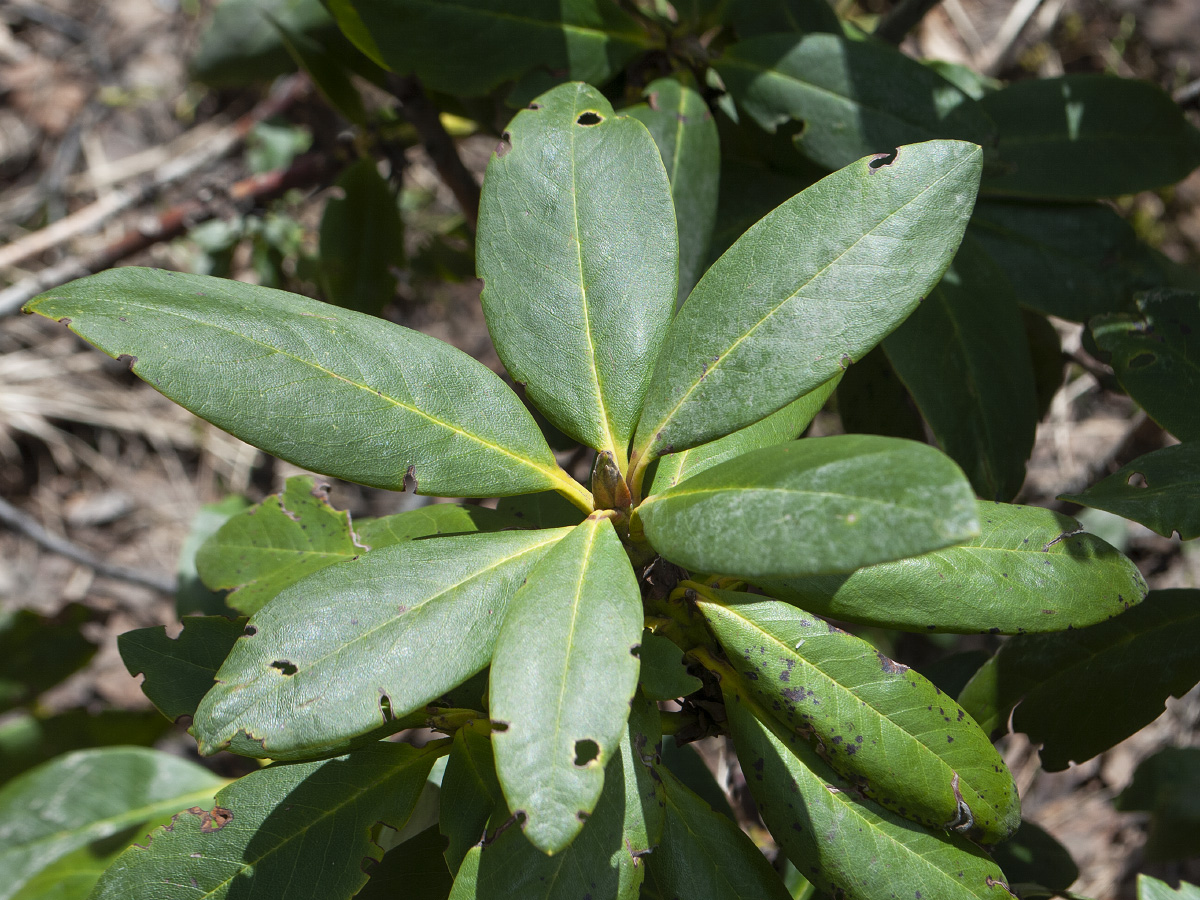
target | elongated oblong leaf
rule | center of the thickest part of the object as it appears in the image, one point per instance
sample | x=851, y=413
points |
x=1030, y=569
x=1156, y=356
x=964, y=357
x=705, y=856
x=329, y=389
x=300, y=830
x=334, y=656
x=469, y=794
x=1117, y=674
x=1167, y=499
x=764, y=327
x=879, y=724
x=579, y=261
x=851, y=847
x=468, y=47
x=777, y=428
x=82, y=797
x=683, y=128
x=854, y=97
x=362, y=239
x=814, y=506
x=562, y=677
x=1058, y=140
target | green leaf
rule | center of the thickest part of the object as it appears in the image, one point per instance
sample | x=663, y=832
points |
x=663, y=675
x=854, y=97
x=1167, y=785
x=329, y=389
x=580, y=189
x=82, y=797
x=191, y=596
x=749, y=190
x=879, y=724
x=1046, y=352
x=362, y=240
x=1103, y=669
x=73, y=876
x=705, y=856
x=296, y=831
x=763, y=327
x=815, y=506
x=1153, y=889
x=1033, y=856
x=327, y=72
x=871, y=399
x=860, y=850
x=287, y=537
x=785, y=425
x=1156, y=357
x=683, y=128
x=179, y=671
x=543, y=510
x=240, y=46
x=1073, y=261
x=440, y=519
x=562, y=678
x=37, y=652
x=1030, y=569
x=686, y=764
x=754, y=17
x=1078, y=137
x=470, y=793
x=1166, y=500
x=468, y=47
x=964, y=357
x=398, y=627
x=413, y=869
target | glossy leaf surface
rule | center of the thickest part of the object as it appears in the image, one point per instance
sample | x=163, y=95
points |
x=562, y=677
x=763, y=328
x=1156, y=357
x=879, y=724
x=71, y=801
x=179, y=671
x=1166, y=500
x=845, y=845
x=814, y=506
x=1030, y=569
x=299, y=830
x=778, y=428
x=855, y=97
x=1072, y=261
x=329, y=389
x=705, y=856
x=468, y=47
x=1058, y=140
x=336, y=655
x=579, y=262
x=362, y=240
x=683, y=128
x=964, y=357
x=1102, y=669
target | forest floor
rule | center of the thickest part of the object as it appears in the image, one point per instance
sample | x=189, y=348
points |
x=95, y=99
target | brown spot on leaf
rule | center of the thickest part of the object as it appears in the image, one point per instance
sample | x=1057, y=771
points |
x=129, y=360
x=212, y=821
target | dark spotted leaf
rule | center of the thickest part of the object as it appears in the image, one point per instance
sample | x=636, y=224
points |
x=329, y=389
x=1057, y=139
x=71, y=801
x=763, y=328
x=179, y=671
x=1102, y=669
x=400, y=626
x=873, y=852
x=1166, y=499
x=1030, y=569
x=879, y=724
x=562, y=677
x=813, y=506
x=300, y=831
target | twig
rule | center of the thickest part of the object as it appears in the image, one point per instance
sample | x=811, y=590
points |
x=307, y=170
x=438, y=144
x=24, y=524
x=903, y=18
x=1187, y=93
x=92, y=216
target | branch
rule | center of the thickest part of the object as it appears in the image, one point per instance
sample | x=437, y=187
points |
x=305, y=171
x=95, y=214
x=25, y=524
x=903, y=18
x=438, y=144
